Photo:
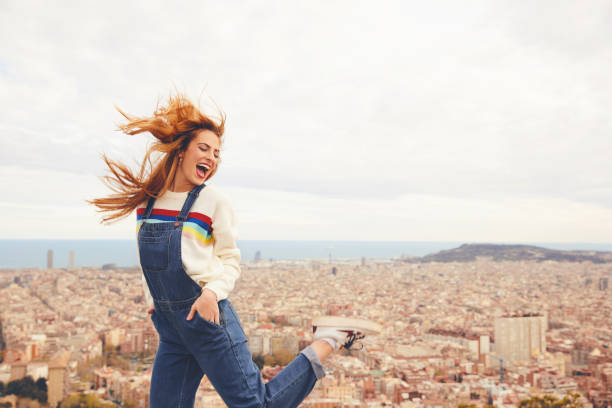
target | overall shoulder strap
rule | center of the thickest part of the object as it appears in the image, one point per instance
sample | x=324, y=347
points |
x=191, y=197
x=147, y=212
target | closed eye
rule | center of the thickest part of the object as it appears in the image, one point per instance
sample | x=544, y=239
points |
x=204, y=149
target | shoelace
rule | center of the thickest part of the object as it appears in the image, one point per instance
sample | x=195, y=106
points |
x=352, y=338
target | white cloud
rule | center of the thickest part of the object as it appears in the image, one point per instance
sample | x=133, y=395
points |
x=417, y=217
x=51, y=205
x=341, y=101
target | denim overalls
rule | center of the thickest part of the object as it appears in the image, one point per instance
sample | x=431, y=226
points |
x=188, y=349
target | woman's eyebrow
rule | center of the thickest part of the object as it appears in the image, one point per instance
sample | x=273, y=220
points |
x=207, y=145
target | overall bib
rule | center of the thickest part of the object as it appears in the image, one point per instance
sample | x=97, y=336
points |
x=188, y=349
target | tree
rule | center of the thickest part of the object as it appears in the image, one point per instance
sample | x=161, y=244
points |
x=283, y=357
x=85, y=369
x=41, y=384
x=2, y=343
x=85, y=401
x=27, y=388
x=259, y=360
x=14, y=387
x=550, y=401
x=269, y=360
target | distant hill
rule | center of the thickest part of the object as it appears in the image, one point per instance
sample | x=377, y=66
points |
x=498, y=252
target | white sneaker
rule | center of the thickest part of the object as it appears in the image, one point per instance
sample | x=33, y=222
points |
x=342, y=331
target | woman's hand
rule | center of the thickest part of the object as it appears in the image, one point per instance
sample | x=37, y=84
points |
x=150, y=310
x=206, y=305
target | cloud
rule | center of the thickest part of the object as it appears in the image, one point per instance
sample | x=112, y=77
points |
x=417, y=217
x=51, y=205
x=341, y=100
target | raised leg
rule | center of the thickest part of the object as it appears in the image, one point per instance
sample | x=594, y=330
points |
x=291, y=385
x=223, y=355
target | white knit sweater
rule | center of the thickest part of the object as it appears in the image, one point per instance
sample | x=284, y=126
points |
x=208, y=243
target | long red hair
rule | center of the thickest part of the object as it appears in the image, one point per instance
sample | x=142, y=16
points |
x=173, y=127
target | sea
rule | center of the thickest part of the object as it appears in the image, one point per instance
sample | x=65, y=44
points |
x=33, y=253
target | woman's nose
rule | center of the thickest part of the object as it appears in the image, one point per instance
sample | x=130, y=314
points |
x=208, y=154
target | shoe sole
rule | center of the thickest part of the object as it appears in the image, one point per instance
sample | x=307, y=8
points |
x=367, y=327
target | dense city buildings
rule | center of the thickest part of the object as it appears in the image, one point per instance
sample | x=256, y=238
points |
x=478, y=332
x=519, y=338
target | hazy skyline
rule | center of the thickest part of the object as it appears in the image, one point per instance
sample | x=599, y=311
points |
x=478, y=121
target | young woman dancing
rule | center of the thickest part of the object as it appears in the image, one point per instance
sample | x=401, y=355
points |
x=186, y=233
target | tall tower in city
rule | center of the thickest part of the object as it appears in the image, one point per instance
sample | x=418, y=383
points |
x=50, y=259
x=71, y=259
x=57, y=383
x=518, y=338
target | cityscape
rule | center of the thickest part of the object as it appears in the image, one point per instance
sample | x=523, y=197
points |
x=455, y=334
x=440, y=169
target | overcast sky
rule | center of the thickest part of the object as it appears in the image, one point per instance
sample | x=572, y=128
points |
x=417, y=121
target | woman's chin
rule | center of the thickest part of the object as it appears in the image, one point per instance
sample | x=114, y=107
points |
x=198, y=180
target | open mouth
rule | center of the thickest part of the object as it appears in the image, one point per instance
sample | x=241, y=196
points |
x=201, y=170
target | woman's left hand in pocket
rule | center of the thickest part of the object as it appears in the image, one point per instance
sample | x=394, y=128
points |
x=206, y=305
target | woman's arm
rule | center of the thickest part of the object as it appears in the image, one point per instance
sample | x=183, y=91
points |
x=225, y=236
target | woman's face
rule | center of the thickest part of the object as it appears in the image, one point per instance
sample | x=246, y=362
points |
x=200, y=157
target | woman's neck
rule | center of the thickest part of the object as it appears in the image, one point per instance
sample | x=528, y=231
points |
x=181, y=186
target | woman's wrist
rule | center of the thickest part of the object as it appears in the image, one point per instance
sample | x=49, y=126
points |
x=206, y=290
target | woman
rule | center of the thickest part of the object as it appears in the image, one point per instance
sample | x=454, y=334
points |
x=190, y=262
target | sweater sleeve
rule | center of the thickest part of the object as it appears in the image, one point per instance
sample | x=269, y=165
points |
x=224, y=236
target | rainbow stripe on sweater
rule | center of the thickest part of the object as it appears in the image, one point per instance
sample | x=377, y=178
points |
x=197, y=226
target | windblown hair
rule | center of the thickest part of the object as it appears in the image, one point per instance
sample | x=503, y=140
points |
x=173, y=127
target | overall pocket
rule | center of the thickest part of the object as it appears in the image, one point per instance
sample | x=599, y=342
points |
x=154, y=247
x=154, y=256
x=208, y=322
x=232, y=323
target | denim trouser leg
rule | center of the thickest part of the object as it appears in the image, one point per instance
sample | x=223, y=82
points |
x=238, y=380
x=176, y=377
x=190, y=348
x=291, y=385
